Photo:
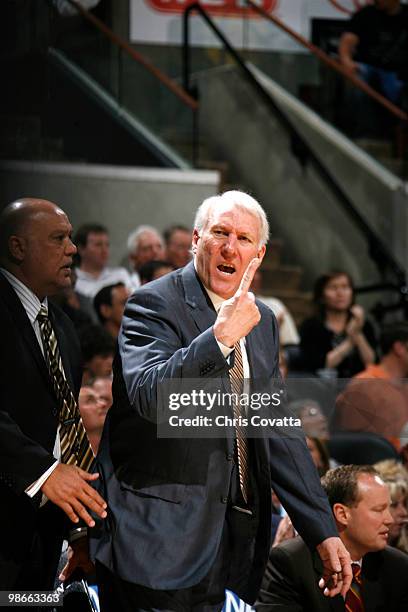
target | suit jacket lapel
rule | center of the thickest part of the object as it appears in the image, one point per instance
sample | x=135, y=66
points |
x=204, y=316
x=196, y=297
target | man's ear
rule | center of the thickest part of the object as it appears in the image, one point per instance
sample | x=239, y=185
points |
x=17, y=247
x=341, y=514
x=195, y=239
x=261, y=252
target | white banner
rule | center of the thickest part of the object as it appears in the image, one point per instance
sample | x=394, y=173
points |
x=160, y=21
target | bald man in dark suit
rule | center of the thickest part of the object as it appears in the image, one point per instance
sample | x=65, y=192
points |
x=41, y=497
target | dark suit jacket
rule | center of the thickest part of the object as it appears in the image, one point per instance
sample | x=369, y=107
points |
x=28, y=425
x=167, y=497
x=291, y=580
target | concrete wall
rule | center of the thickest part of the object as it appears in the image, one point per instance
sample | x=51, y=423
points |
x=120, y=198
x=302, y=210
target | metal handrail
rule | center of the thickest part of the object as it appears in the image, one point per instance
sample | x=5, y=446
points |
x=332, y=63
x=378, y=250
x=119, y=42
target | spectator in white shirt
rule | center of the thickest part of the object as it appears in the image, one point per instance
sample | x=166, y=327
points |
x=93, y=273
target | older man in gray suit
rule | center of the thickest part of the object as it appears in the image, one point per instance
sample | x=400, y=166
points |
x=191, y=517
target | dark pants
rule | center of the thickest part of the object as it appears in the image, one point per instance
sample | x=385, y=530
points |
x=32, y=563
x=34, y=567
x=230, y=570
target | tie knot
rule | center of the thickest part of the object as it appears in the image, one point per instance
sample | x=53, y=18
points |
x=356, y=572
x=43, y=314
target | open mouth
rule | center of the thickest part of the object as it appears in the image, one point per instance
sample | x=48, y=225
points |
x=226, y=268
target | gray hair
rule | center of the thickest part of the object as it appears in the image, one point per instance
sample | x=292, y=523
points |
x=134, y=237
x=240, y=199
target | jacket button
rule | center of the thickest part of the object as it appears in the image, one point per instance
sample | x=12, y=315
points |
x=224, y=500
x=230, y=456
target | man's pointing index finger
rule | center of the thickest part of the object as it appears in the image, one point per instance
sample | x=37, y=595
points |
x=248, y=276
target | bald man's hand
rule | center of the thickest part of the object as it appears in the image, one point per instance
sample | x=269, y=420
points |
x=239, y=314
x=67, y=487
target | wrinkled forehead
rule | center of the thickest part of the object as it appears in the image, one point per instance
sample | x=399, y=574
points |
x=233, y=214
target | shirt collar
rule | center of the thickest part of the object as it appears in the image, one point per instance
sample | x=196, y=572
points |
x=28, y=299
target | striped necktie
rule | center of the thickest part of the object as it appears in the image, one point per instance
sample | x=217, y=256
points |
x=75, y=447
x=354, y=597
x=236, y=375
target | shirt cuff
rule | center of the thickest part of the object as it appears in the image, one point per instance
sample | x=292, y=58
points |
x=225, y=350
x=36, y=486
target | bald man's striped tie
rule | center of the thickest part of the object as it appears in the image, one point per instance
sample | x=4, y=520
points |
x=75, y=448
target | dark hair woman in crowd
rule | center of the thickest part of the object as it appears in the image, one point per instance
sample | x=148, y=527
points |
x=338, y=337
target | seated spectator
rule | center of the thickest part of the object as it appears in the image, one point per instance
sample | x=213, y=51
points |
x=109, y=304
x=154, y=269
x=338, y=337
x=144, y=244
x=361, y=507
x=178, y=245
x=393, y=364
x=98, y=348
x=92, y=241
x=376, y=400
x=288, y=334
x=375, y=46
x=395, y=477
x=93, y=413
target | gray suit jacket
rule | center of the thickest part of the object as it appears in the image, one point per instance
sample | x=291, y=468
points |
x=167, y=497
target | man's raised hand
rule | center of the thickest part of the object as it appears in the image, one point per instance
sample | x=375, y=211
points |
x=239, y=314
